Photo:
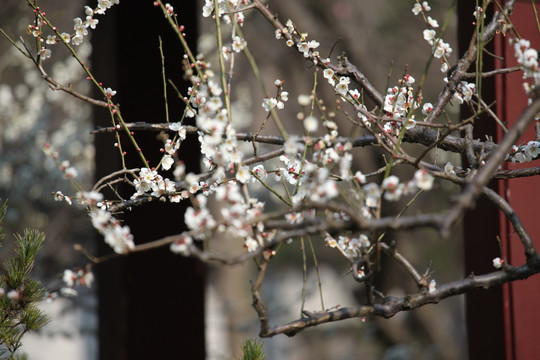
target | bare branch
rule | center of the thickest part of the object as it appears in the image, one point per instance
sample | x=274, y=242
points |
x=392, y=305
x=485, y=173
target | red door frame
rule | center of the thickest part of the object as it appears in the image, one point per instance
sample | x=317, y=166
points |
x=503, y=322
x=520, y=299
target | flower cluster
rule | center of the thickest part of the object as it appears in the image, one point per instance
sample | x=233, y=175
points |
x=524, y=153
x=236, y=216
x=418, y=8
x=353, y=247
x=441, y=49
x=238, y=44
x=80, y=27
x=304, y=46
x=393, y=190
x=152, y=183
x=399, y=100
x=81, y=277
x=117, y=236
x=216, y=133
x=171, y=147
x=224, y=8
x=200, y=218
x=527, y=57
x=64, y=166
x=182, y=245
x=464, y=92
x=270, y=103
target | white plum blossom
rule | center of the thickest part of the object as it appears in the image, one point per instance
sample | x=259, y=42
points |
x=449, y=169
x=144, y=182
x=51, y=40
x=432, y=287
x=423, y=179
x=409, y=80
x=68, y=292
x=77, y=40
x=524, y=153
x=243, y=175
x=176, y=126
x=478, y=11
x=464, y=92
x=293, y=146
x=81, y=277
x=44, y=53
x=65, y=37
x=427, y=108
x=88, y=10
x=199, y=219
x=343, y=86
x=70, y=173
x=527, y=57
x=120, y=239
x=182, y=246
x=498, y=263
x=163, y=187
x=442, y=49
x=171, y=147
x=117, y=236
x=208, y=8
x=410, y=123
x=429, y=36
x=398, y=101
x=326, y=191
x=361, y=178
x=59, y=196
x=329, y=75
x=306, y=47
x=238, y=44
x=69, y=278
x=260, y=172
x=269, y=103
x=372, y=193
x=294, y=217
x=250, y=244
x=90, y=198
x=109, y=92
x=311, y=124
x=432, y=22
x=13, y=295
x=444, y=67
x=91, y=22
x=304, y=100
x=417, y=8
x=393, y=190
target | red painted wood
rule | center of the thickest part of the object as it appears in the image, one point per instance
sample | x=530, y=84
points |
x=520, y=299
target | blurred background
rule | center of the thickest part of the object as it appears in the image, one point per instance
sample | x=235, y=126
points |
x=31, y=115
x=383, y=38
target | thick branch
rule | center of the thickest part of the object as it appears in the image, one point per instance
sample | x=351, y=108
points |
x=511, y=215
x=392, y=305
x=417, y=135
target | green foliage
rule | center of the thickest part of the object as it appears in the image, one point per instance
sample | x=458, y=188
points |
x=19, y=295
x=252, y=350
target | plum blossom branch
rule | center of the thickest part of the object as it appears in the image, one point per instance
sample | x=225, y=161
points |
x=312, y=174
